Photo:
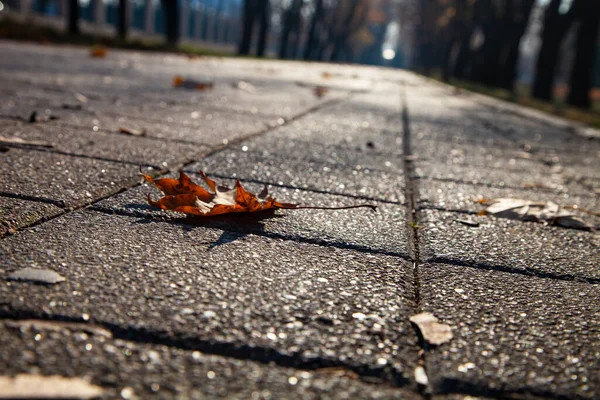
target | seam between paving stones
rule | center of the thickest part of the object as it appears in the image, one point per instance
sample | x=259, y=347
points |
x=240, y=351
x=411, y=197
x=216, y=149
x=79, y=155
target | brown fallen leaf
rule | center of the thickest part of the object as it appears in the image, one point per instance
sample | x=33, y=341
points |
x=326, y=75
x=180, y=82
x=132, y=132
x=320, y=91
x=432, y=331
x=183, y=195
x=33, y=386
x=245, y=86
x=98, y=51
x=540, y=211
x=58, y=326
x=19, y=141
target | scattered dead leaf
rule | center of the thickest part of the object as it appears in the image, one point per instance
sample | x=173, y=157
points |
x=467, y=222
x=536, y=211
x=81, y=98
x=34, y=117
x=23, y=142
x=536, y=185
x=421, y=376
x=58, y=326
x=326, y=75
x=132, y=132
x=245, y=86
x=180, y=82
x=337, y=372
x=98, y=51
x=320, y=91
x=33, y=386
x=183, y=195
x=523, y=155
x=432, y=331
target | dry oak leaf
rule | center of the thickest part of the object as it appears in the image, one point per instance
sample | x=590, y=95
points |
x=98, y=51
x=180, y=82
x=183, y=195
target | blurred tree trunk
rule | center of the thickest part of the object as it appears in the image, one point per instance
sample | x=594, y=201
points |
x=311, y=42
x=581, y=80
x=291, y=26
x=248, y=27
x=518, y=26
x=255, y=10
x=555, y=28
x=171, y=12
x=122, y=21
x=73, y=17
x=265, y=16
x=340, y=38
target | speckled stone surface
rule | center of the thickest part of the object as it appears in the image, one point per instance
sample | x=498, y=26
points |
x=304, y=304
x=194, y=283
x=513, y=334
x=522, y=298
x=134, y=369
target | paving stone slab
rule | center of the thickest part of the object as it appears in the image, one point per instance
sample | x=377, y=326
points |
x=514, y=335
x=541, y=178
x=108, y=146
x=304, y=303
x=279, y=143
x=382, y=231
x=368, y=184
x=64, y=180
x=522, y=247
x=311, y=129
x=209, y=131
x=19, y=213
x=461, y=196
x=129, y=369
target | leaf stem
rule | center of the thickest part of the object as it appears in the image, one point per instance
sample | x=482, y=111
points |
x=371, y=206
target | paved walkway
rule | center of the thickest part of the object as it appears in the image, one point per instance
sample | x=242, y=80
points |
x=311, y=303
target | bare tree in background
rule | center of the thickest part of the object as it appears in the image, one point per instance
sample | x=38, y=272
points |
x=291, y=29
x=171, y=13
x=73, y=17
x=122, y=20
x=255, y=11
x=588, y=15
x=554, y=30
x=316, y=26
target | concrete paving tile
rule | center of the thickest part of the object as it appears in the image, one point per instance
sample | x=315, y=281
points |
x=358, y=182
x=67, y=180
x=19, y=213
x=381, y=231
x=513, y=335
x=349, y=154
x=123, y=367
x=541, y=177
x=311, y=129
x=460, y=196
x=522, y=247
x=108, y=146
x=211, y=130
x=313, y=304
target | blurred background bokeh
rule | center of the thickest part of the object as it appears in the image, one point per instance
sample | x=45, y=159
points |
x=542, y=53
